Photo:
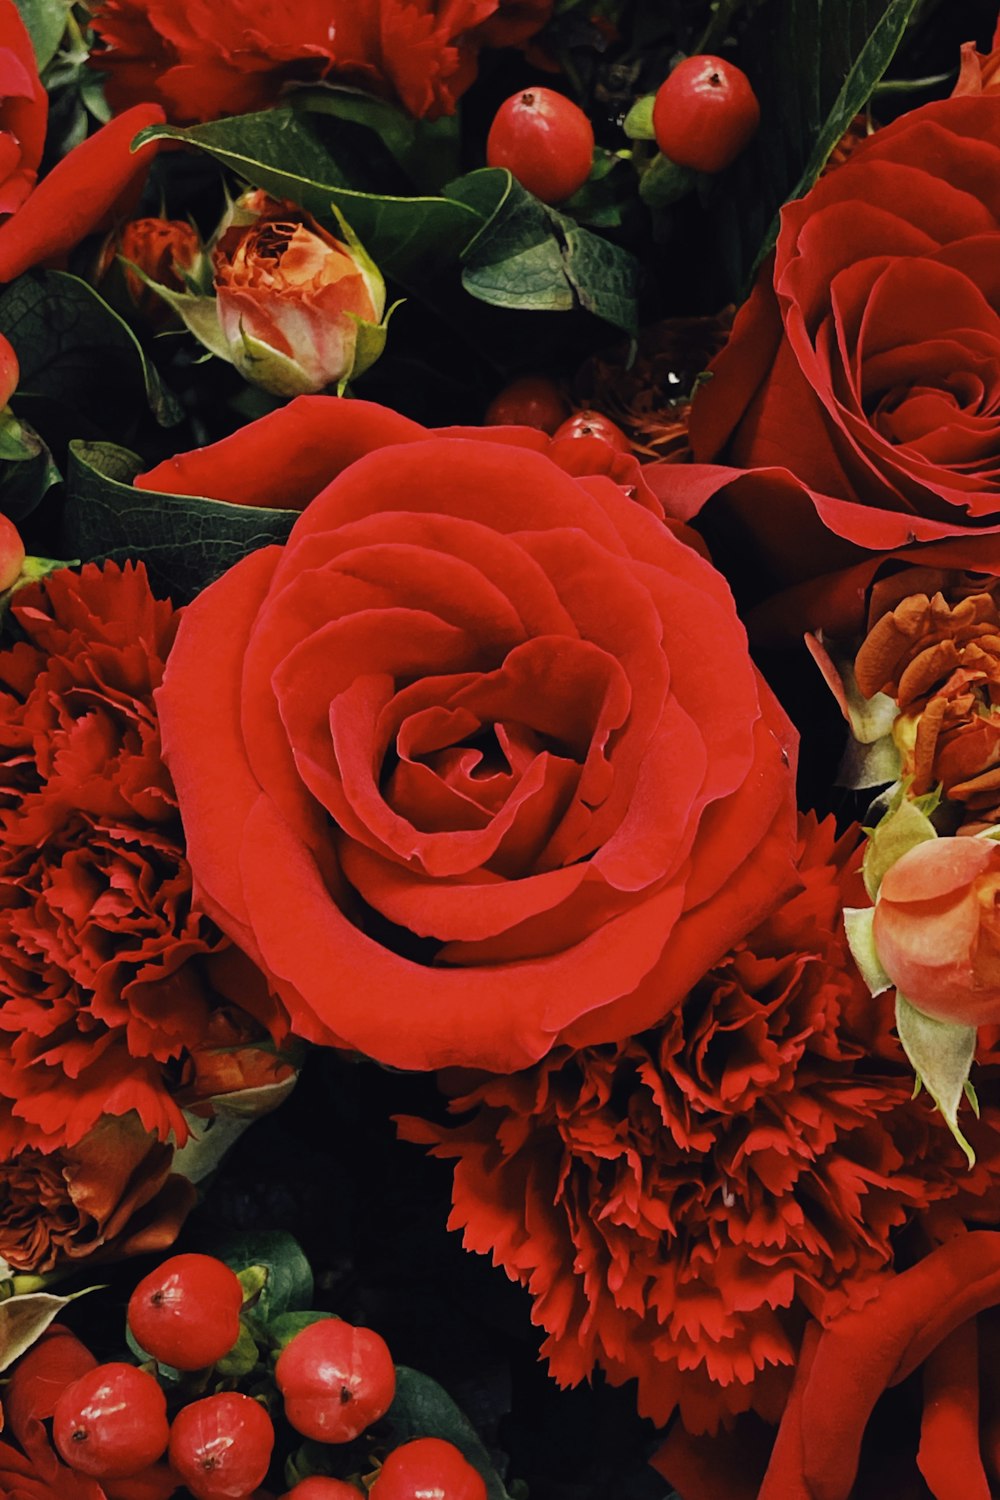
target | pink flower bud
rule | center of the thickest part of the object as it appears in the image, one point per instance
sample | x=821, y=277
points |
x=937, y=929
x=11, y=554
x=291, y=297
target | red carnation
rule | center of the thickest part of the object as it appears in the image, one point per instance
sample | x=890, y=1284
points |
x=676, y=1204
x=109, y=974
x=201, y=61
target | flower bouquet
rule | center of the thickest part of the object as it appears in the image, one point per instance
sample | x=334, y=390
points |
x=499, y=749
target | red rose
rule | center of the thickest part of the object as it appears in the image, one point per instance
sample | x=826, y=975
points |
x=203, y=61
x=97, y=180
x=24, y=110
x=861, y=385
x=478, y=759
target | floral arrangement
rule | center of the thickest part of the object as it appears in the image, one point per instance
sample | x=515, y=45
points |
x=499, y=749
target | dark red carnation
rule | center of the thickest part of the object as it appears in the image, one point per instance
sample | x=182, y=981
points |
x=680, y=1203
x=478, y=760
x=202, y=60
x=113, y=1194
x=861, y=385
x=109, y=972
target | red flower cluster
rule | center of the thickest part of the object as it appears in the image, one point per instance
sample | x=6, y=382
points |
x=109, y=973
x=202, y=60
x=678, y=1203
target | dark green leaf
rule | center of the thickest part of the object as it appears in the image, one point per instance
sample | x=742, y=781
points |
x=185, y=542
x=422, y=1408
x=278, y=151
x=289, y=1284
x=46, y=22
x=73, y=349
x=282, y=1329
x=427, y=151
x=531, y=257
x=814, y=66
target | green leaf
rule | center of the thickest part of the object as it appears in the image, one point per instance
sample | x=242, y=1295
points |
x=427, y=151
x=905, y=825
x=858, y=929
x=422, y=1408
x=186, y=542
x=638, y=123
x=529, y=256
x=278, y=151
x=282, y=1329
x=289, y=1284
x=23, y=1320
x=233, y=1114
x=27, y=469
x=242, y=1357
x=942, y=1055
x=46, y=22
x=75, y=351
x=813, y=65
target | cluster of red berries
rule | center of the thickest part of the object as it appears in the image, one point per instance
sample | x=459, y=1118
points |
x=336, y=1380
x=704, y=115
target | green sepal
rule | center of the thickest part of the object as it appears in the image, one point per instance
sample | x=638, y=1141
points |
x=664, y=182
x=638, y=123
x=858, y=929
x=906, y=824
x=942, y=1054
x=242, y=1357
x=369, y=344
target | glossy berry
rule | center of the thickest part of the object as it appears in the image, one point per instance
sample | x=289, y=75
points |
x=319, y=1487
x=11, y=553
x=186, y=1313
x=529, y=401
x=428, y=1469
x=545, y=141
x=594, y=424
x=705, y=114
x=221, y=1446
x=112, y=1422
x=336, y=1380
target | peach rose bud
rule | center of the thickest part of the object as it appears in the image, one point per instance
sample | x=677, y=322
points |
x=936, y=929
x=295, y=309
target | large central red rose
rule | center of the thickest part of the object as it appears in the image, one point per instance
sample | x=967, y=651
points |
x=478, y=760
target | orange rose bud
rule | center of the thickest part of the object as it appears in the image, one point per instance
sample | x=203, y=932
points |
x=937, y=929
x=163, y=249
x=292, y=300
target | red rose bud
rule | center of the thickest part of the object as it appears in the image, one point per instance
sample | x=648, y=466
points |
x=164, y=250
x=937, y=929
x=11, y=554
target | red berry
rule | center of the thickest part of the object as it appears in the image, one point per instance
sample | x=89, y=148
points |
x=545, y=141
x=318, y=1487
x=187, y=1312
x=11, y=553
x=221, y=1446
x=705, y=114
x=529, y=401
x=336, y=1380
x=595, y=424
x=428, y=1469
x=112, y=1422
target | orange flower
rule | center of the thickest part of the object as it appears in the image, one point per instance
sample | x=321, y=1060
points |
x=939, y=658
x=162, y=248
x=111, y=1194
x=291, y=297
